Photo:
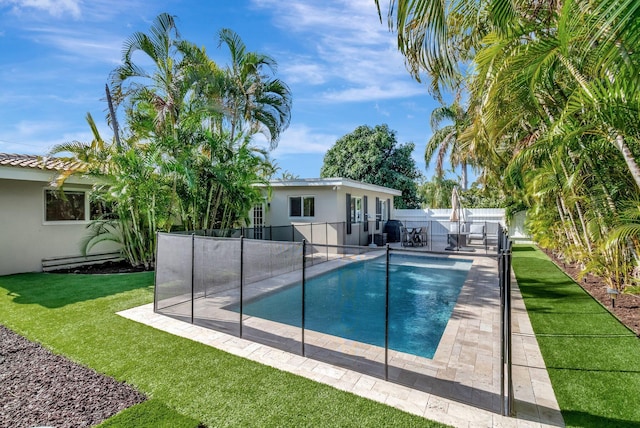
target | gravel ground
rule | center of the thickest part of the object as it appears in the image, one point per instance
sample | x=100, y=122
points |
x=39, y=388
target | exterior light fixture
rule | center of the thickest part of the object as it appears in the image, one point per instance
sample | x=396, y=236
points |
x=613, y=293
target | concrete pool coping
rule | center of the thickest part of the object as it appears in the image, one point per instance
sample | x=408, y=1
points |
x=460, y=386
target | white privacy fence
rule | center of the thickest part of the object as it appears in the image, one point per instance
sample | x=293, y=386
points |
x=467, y=215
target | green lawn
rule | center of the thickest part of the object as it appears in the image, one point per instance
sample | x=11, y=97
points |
x=592, y=359
x=74, y=315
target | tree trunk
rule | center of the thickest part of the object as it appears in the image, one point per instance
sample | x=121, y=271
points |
x=634, y=169
x=114, y=121
x=575, y=235
x=583, y=223
x=464, y=176
x=562, y=220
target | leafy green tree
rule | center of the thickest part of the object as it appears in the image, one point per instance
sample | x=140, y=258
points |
x=254, y=100
x=553, y=112
x=480, y=197
x=203, y=116
x=186, y=158
x=436, y=193
x=373, y=155
x=447, y=140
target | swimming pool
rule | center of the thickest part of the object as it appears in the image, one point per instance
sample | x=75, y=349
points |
x=350, y=302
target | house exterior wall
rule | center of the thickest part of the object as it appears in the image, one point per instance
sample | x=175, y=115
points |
x=25, y=237
x=330, y=202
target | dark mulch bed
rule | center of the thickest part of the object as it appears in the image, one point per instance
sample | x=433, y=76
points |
x=38, y=388
x=627, y=306
x=104, y=268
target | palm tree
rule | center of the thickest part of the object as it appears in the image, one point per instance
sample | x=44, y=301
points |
x=437, y=192
x=554, y=91
x=254, y=101
x=89, y=158
x=422, y=34
x=447, y=140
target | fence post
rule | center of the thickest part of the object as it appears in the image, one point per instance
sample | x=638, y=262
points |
x=304, y=250
x=504, y=269
x=193, y=291
x=155, y=275
x=502, y=327
x=431, y=234
x=508, y=305
x=241, y=279
x=326, y=239
x=386, y=320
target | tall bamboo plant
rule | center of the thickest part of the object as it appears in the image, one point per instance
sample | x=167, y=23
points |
x=554, y=107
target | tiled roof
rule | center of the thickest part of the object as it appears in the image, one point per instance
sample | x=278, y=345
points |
x=37, y=162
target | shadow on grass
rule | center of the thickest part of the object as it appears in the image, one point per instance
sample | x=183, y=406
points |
x=150, y=414
x=520, y=248
x=58, y=290
x=600, y=358
x=582, y=419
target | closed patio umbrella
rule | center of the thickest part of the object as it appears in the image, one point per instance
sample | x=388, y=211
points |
x=455, y=206
x=453, y=236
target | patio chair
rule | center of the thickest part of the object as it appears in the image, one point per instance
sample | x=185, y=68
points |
x=491, y=234
x=423, y=236
x=417, y=236
x=477, y=232
x=405, y=236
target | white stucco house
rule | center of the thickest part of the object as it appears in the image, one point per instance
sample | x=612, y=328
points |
x=36, y=222
x=339, y=211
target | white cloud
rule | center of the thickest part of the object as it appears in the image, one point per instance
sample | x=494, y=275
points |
x=79, y=44
x=353, y=50
x=301, y=139
x=391, y=90
x=39, y=136
x=381, y=111
x=56, y=8
x=304, y=72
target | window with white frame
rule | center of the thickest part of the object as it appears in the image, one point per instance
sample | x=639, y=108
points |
x=302, y=206
x=356, y=209
x=258, y=221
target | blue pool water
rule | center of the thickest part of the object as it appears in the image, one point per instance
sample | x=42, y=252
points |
x=349, y=302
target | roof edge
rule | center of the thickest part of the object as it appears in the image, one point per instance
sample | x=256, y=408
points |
x=330, y=182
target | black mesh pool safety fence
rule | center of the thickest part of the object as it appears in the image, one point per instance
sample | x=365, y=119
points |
x=504, y=282
x=259, y=290
x=460, y=236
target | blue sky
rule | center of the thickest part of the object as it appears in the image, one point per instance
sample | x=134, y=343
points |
x=340, y=62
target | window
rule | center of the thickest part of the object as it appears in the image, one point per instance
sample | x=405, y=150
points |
x=302, y=206
x=65, y=205
x=356, y=209
x=258, y=219
x=73, y=205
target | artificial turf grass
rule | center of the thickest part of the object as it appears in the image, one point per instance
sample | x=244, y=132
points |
x=74, y=315
x=150, y=414
x=592, y=359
